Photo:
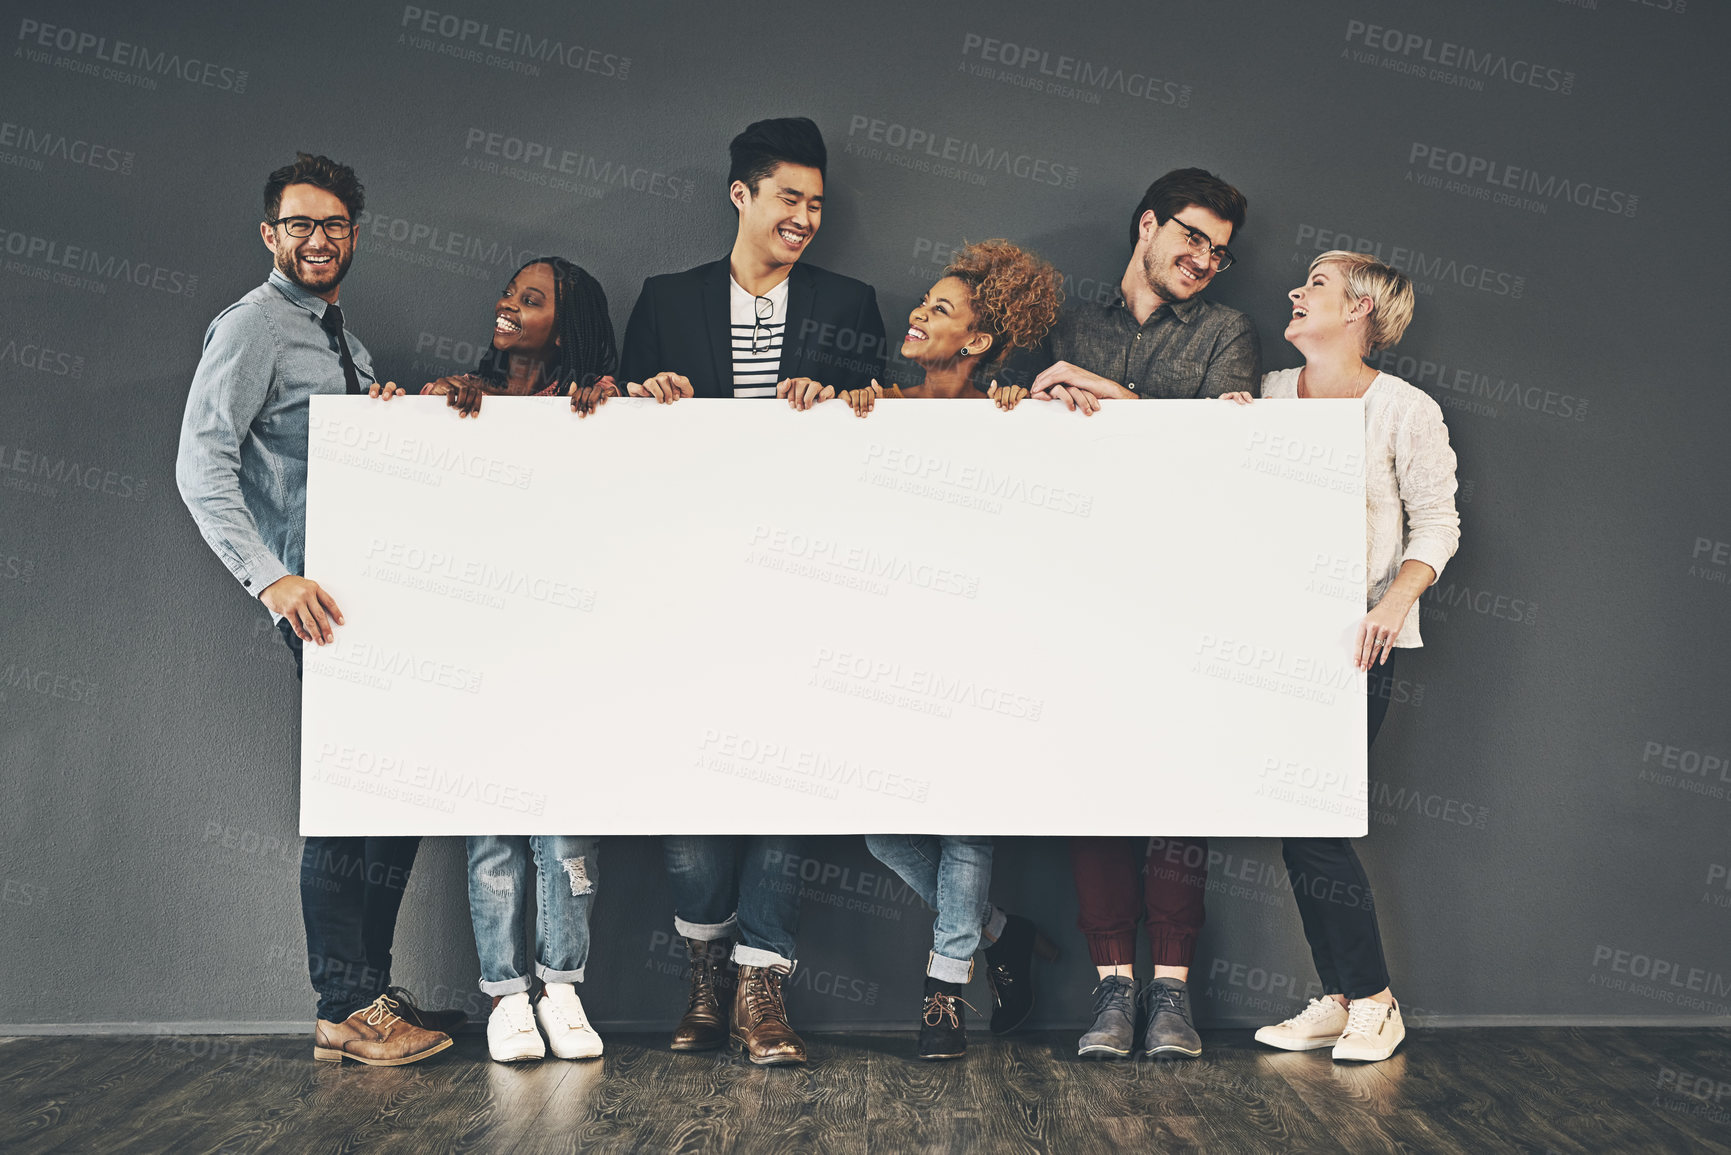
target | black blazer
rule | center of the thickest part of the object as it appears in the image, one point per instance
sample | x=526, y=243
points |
x=682, y=324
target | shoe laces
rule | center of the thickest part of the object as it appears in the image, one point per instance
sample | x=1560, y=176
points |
x=381, y=1011
x=940, y=1006
x=1365, y=1017
x=1316, y=1012
x=1108, y=993
x=1167, y=999
x=763, y=986
x=517, y=1014
x=566, y=1010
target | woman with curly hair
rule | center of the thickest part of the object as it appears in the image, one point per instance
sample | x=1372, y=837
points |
x=993, y=298
x=551, y=336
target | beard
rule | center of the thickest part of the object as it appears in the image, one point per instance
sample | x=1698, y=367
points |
x=317, y=279
x=1167, y=282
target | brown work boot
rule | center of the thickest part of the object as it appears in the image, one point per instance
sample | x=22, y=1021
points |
x=760, y=1019
x=704, y=1026
x=376, y=1035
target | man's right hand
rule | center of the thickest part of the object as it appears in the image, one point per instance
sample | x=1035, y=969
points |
x=386, y=391
x=666, y=388
x=306, y=605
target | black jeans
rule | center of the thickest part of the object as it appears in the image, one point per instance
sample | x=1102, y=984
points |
x=351, y=889
x=1333, y=893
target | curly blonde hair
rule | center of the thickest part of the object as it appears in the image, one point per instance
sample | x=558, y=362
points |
x=1016, y=294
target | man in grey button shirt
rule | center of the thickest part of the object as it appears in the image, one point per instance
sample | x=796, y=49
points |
x=1159, y=338
x=242, y=471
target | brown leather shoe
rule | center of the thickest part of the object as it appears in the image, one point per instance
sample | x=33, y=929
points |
x=376, y=1035
x=704, y=1026
x=760, y=1019
x=403, y=1002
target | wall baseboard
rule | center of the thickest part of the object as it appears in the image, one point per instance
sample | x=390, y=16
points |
x=643, y=1026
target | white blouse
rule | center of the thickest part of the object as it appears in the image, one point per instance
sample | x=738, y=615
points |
x=1409, y=484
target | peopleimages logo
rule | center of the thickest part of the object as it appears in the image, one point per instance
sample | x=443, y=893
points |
x=927, y=149
x=1065, y=77
x=47, y=259
x=1493, y=180
x=27, y=146
x=480, y=42
x=1426, y=269
x=1462, y=65
x=128, y=63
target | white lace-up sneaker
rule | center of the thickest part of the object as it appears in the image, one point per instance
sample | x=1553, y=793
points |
x=560, y=1012
x=1373, y=1031
x=1318, y=1025
x=511, y=1033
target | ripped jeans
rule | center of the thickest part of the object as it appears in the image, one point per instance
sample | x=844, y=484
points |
x=568, y=873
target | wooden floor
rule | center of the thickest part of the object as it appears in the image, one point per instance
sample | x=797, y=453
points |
x=1477, y=1090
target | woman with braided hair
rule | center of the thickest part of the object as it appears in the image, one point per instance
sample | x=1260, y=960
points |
x=992, y=299
x=551, y=336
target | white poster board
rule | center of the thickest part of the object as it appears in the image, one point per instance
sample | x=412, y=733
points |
x=725, y=617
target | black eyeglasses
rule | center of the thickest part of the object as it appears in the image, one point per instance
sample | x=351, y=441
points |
x=765, y=309
x=1200, y=242
x=336, y=228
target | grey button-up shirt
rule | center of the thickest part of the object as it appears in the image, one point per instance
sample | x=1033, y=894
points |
x=1192, y=349
x=242, y=468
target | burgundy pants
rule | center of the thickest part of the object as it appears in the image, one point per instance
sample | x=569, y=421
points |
x=1118, y=879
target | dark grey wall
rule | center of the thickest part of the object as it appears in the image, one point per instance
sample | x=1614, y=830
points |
x=1550, y=807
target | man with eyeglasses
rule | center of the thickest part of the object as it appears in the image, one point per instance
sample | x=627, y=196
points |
x=757, y=323
x=1158, y=339
x=242, y=470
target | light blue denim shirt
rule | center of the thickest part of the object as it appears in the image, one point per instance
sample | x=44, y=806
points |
x=242, y=468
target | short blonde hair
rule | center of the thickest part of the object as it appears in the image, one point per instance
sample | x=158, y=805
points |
x=1389, y=290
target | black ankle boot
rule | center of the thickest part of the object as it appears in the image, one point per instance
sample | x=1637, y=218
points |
x=1010, y=972
x=943, y=1025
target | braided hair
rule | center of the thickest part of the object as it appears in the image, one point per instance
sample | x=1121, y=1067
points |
x=586, y=350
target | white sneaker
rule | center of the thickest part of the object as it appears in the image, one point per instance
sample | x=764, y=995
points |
x=569, y=1034
x=1318, y=1025
x=511, y=1033
x=1373, y=1031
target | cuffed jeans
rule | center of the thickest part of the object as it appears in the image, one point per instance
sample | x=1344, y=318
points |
x=954, y=875
x=567, y=872
x=727, y=885
x=1332, y=890
x=351, y=890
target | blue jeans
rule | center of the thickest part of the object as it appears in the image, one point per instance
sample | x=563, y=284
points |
x=568, y=871
x=954, y=876
x=728, y=884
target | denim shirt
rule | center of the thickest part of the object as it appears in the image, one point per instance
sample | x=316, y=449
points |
x=242, y=467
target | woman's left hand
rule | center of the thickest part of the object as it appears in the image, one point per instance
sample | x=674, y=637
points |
x=1377, y=631
x=1007, y=397
x=1237, y=398
x=587, y=399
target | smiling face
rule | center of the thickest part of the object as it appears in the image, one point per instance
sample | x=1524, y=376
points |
x=315, y=263
x=778, y=220
x=523, y=320
x=1175, y=271
x=1320, y=307
x=942, y=325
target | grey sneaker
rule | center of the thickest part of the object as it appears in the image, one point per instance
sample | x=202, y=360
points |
x=1166, y=1008
x=1113, y=1031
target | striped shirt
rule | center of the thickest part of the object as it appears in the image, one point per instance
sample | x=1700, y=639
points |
x=757, y=371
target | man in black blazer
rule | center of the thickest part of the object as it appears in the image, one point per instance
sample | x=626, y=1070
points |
x=758, y=321
x=754, y=324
